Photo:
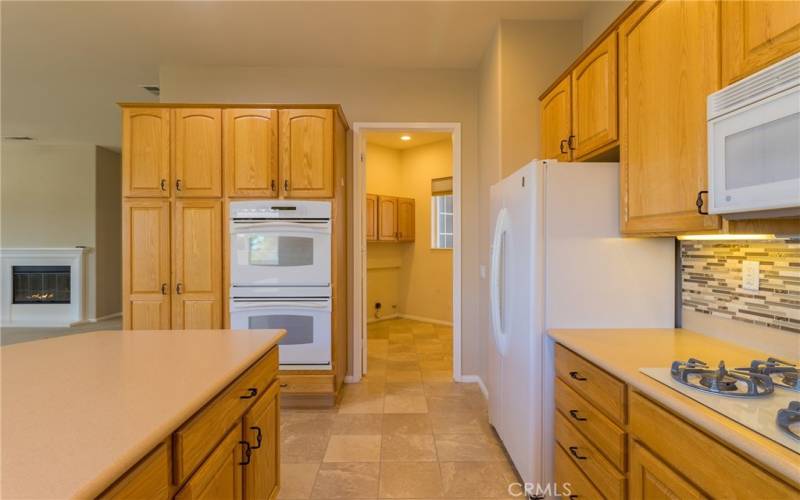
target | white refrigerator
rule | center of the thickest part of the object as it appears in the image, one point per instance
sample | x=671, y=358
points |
x=558, y=261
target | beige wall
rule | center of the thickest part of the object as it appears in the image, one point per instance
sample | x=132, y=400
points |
x=598, y=17
x=410, y=279
x=66, y=196
x=367, y=95
x=522, y=61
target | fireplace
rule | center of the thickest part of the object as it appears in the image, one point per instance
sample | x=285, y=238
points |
x=41, y=284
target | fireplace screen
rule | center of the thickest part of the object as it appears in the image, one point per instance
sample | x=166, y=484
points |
x=41, y=284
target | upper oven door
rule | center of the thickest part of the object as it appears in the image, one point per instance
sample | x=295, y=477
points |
x=754, y=156
x=281, y=253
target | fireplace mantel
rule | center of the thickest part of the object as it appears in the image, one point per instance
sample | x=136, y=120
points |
x=43, y=314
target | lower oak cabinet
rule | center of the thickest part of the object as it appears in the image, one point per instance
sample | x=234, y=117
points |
x=227, y=450
x=616, y=443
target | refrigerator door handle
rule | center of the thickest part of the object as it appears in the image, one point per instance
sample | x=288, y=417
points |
x=498, y=251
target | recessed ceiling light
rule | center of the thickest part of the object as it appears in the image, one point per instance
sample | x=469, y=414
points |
x=405, y=137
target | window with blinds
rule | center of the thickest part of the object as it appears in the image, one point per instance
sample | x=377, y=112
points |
x=442, y=213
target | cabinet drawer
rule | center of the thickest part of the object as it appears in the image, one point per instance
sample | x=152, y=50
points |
x=201, y=433
x=307, y=384
x=603, y=390
x=567, y=472
x=603, y=433
x=147, y=479
x=586, y=457
x=683, y=447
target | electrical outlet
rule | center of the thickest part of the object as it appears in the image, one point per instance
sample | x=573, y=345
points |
x=750, y=275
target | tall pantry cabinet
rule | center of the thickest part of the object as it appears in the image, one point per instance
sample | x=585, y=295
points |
x=181, y=166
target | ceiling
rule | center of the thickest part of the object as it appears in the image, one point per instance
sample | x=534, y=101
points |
x=66, y=64
x=392, y=139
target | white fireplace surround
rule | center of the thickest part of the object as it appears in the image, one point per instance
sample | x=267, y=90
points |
x=43, y=315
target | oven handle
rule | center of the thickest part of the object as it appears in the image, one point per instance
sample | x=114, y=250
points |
x=322, y=227
x=242, y=305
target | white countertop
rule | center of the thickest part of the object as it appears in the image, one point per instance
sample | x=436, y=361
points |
x=80, y=410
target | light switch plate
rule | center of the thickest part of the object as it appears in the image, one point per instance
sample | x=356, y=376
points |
x=750, y=275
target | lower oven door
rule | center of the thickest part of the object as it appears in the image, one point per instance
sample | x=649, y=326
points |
x=307, y=321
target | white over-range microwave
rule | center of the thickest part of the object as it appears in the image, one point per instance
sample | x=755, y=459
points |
x=754, y=144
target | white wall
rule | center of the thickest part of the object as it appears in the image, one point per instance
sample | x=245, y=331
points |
x=65, y=196
x=367, y=95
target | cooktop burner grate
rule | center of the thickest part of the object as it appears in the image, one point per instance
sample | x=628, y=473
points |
x=737, y=383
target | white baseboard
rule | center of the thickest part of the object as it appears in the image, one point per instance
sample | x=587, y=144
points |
x=95, y=320
x=350, y=379
x=425, y=320
x=475, y=379
x=384, y=318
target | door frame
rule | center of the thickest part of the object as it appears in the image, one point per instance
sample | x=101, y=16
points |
x=359, y=241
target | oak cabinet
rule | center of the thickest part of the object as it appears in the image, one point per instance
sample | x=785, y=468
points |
x=197, y=247
x=371, y=213
x=306, y=155
x=405, y=219
x=757, y=34
x=198, y=152
x=650, y=478
x=146, y=152
x=250, y=152
x=594, y=100
x=147, y=479
x=665, y=52
x=146, y=258
x=220, y=476
x=387, y=218
x=556, y=122
x=261, y=430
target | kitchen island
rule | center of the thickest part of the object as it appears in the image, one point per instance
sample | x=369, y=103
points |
x=144, y=413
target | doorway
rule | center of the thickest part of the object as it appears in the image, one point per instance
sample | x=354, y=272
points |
x=407, y=267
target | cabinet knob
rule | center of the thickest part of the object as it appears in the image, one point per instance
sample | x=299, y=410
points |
x=258, y=437
x=272, y=185
x=571, y=142
x=163, y=184
x=179, y=288
x=246, y=452
x=577, y=376
x=179, y=185
x=286, y=184
x=699, y=203
x=164, y=289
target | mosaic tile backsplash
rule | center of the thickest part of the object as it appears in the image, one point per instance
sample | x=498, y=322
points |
x=712, y=281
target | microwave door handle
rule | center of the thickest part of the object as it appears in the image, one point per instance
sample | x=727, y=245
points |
x=321, y=305
x=307, y=227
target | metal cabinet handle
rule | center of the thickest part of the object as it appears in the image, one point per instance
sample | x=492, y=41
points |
x=179, y=288
x=699, y=203
x=577, y=376
x=574, y=414
x=286, y=184
x=285, y=385
x=179, y=185
x=246, y=452
x=163, y=184
x=258, y=437
x=571, y=142
x=272, y=185
x=164, y=289
x=561, y=146
x=574, y=451
x=251, y=393
x=573, y=497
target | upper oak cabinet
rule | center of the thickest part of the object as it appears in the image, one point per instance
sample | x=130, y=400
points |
x=555, y=122
x=198, y=152
x=306, y=156
x=145, y=152
x=667, y=54
x=250, y=152
x=594, y=100
x=372, y=217
x=405, y=219
x=387, y=218
x=757, y=34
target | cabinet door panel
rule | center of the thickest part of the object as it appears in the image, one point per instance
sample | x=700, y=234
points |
x=372, y=217
x=145, y=277
x=198, y=264
x=594, y=99
x=250, y=152
x=220, y=476
x=652, y=479
x=306, y=156
x=387, y=218
x=198, y=152
x=666, y=50
x=556, y=126
x=757, y=34
x=261, y=475
x=145, y=152
x=405, y=219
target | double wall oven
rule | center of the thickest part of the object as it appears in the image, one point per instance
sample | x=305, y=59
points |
x=281, y=276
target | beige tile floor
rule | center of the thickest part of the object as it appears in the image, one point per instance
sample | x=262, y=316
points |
x=406, y=431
